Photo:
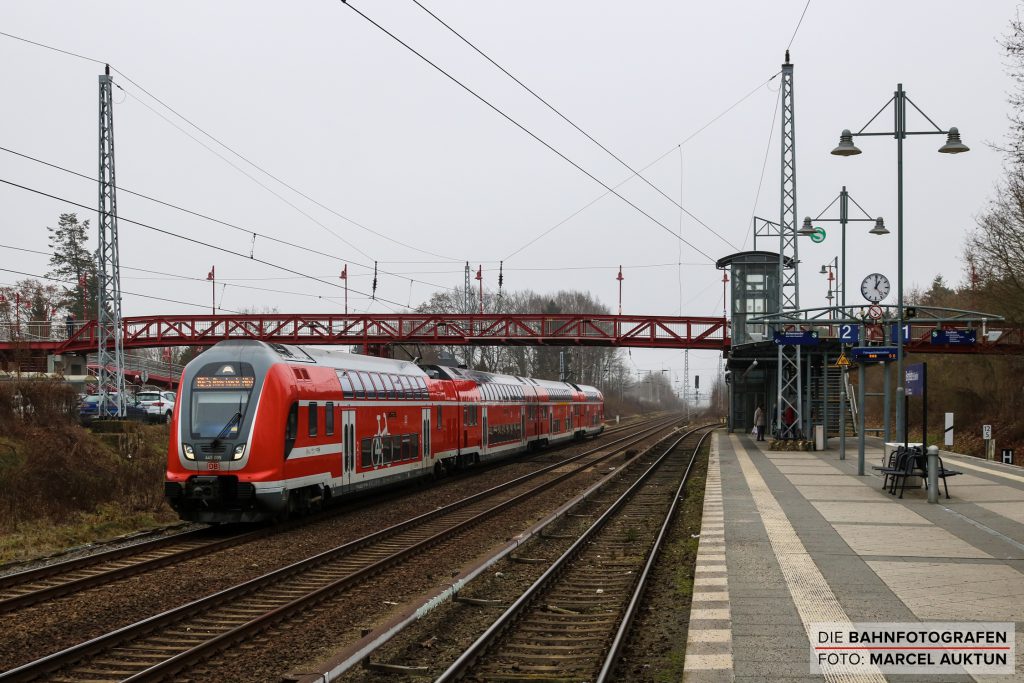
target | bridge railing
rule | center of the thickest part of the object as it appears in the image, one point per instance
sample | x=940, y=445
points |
x=455, y=329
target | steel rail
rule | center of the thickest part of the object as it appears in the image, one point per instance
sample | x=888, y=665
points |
x=611, y=659
x=360, y=652
x=23, y=589
x=507, y=619
x=77, y=653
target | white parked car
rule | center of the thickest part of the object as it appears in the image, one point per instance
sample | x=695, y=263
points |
x=159, y=405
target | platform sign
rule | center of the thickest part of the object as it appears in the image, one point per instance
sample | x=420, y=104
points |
x=796, y=338
x=955, y=337
x=906, y=332
x=914, y=379
x=876, y=354
x=1007, y=456
x=849, y=334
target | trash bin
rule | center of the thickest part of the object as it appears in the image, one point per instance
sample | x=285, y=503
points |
x=819, y=437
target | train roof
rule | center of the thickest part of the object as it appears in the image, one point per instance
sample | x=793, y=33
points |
x=320, y=355
x=343, y=360
x=481, y=377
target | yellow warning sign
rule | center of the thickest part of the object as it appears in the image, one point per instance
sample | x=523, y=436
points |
x=843, y=361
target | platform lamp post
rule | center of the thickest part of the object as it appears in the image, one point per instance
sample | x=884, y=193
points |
x=831, y=269
x=844, y=200
x=845, y=148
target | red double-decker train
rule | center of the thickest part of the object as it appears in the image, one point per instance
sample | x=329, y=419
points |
x=264, y=430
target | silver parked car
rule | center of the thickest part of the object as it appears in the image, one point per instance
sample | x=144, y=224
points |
x=159, y=405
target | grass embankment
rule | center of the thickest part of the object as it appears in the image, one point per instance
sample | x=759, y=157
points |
x=63, y=485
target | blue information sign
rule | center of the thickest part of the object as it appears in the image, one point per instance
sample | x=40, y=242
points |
x=796, y=337
x=849, y=334
x=914, y=379
x=906, y=332
x=873, y=353
x=955, y=337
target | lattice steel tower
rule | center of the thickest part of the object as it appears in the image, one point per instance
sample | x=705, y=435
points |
x=789, y=385
x=110, y=352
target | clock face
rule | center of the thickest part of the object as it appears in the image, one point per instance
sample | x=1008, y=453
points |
x=875, y=287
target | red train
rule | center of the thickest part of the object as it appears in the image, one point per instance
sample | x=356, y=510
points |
x=264, y=430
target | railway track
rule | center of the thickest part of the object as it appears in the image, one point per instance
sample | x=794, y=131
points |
x=571, y=623
x=26, y=588
x=175, y=640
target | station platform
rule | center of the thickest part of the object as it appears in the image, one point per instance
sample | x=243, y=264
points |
x=791, y=539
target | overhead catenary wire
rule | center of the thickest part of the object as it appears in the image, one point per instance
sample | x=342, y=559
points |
x=764, y=165
x=524, y=128
x=574, y=125
x=230, y=282
x=197, y=214
x=196, y=241
x=800, y=21
x=227, y=147
x=124, y=292
x=692, y=135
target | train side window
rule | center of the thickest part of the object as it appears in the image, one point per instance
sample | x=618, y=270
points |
x=367, y=385
x=410, y=392
x=414, y=446
x=399, y=389
x=346, y=385
x=406, y=447
x=389, y=388
x=379, y=383
x=313, y=415
x=366, y=453
x=329, y=418
x=291, y=429
x=357, y=385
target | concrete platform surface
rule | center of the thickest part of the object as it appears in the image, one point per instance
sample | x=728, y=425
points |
x=791, y=539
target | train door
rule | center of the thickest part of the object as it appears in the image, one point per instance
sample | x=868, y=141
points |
x=427, y=452
x=522, y=424
x=484, y=436
x=348, y=444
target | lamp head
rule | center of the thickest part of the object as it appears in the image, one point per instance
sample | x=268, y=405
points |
x=807, y=228
x=823, y=271
x=953, y=144
x=879, y=228
x=846, y=148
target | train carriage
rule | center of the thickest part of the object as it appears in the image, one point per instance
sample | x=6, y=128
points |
x=263, y=430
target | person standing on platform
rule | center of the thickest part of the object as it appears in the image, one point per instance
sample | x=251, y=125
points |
x=760, y=422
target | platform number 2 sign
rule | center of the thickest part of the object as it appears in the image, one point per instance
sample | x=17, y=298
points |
x=849, y=334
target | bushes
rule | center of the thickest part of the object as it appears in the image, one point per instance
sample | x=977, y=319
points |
x=35, y=402
x=52, y=470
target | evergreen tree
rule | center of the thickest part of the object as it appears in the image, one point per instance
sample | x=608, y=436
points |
x=74, y=264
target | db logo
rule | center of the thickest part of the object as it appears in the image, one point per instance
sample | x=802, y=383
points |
x=213, y=465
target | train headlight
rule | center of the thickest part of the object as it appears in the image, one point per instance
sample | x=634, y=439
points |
x=239, y=449
x=189, y=452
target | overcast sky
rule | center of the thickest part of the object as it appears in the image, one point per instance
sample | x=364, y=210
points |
x=319, y=97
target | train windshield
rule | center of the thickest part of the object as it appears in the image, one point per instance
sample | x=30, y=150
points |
x=220, y=398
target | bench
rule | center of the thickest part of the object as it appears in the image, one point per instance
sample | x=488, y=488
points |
x=910, y=462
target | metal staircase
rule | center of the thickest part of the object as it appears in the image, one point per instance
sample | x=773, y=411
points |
x=816, y=401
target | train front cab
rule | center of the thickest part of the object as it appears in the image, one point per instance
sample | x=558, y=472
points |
x=212, y=442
